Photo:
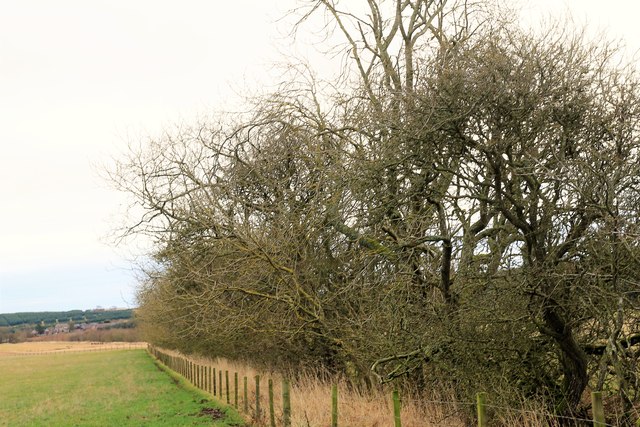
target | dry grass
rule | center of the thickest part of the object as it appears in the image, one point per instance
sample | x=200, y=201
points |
x=373, y=408
x=311, y=401
x=40, y=347
x=103, y=335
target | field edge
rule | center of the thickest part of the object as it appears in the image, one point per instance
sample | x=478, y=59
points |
x=232, y=416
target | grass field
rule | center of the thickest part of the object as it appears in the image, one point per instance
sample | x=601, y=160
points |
x=36, y=347
x=106, y=388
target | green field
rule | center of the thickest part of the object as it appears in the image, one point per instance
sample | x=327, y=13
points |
x=110, y=388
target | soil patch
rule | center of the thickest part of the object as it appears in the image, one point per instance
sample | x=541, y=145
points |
x=213, y=413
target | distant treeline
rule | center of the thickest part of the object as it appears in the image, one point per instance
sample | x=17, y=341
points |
x=12, y=319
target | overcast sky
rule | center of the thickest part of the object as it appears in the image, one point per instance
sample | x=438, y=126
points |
x=79, y=79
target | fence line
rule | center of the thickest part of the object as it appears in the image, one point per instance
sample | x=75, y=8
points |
x=132, y=346
x=203, y=376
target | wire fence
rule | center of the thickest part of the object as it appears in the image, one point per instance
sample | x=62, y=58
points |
x=255, y=399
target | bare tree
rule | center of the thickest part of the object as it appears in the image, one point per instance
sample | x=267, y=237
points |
x=470, y=193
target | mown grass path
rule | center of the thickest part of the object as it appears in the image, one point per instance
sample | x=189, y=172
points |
x=111, y=388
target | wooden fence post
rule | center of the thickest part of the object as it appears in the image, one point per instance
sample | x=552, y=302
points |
x=215, y=386
x=235, y=389
x=198, y=375
x=246, y=396
x=286, y=404
x=482, y=410
x=226, y=384
x=220, y=383
x=396, y=409
x=272, y=415
x=597, y=409
x=258, y=416
x=205, y=378
x=334, y=405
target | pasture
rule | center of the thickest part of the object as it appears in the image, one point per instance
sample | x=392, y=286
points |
x=99, y=388
x=39, y=347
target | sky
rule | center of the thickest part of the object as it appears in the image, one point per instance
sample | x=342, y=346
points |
x=79, y=80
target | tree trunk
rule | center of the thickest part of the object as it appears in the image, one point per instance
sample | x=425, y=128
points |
x=573, y=359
